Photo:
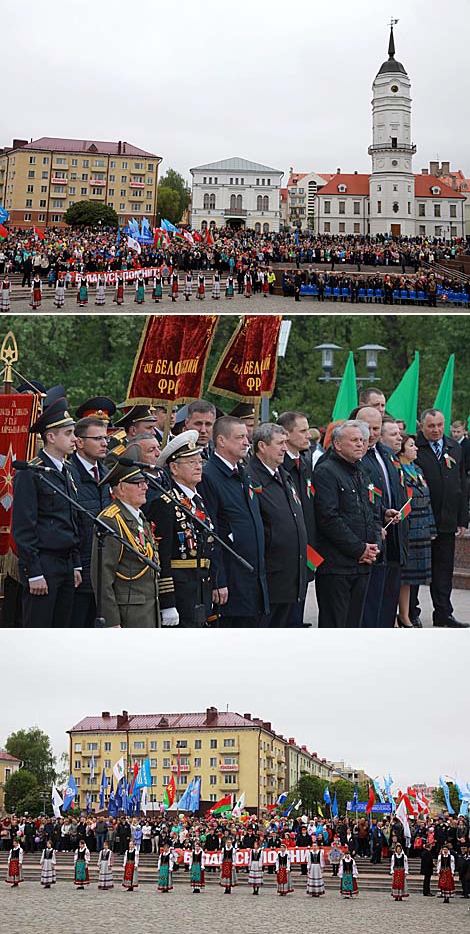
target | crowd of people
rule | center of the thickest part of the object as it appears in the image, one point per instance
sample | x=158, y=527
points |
x=199, y=845
x=424, y=287
x=227, y=524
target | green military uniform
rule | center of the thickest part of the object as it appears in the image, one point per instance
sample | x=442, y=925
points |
x=129, y=587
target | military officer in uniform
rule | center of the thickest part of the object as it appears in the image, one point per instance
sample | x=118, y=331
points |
x=129, y=587
x=184, y=549
x=138, y=420
x=45, y=526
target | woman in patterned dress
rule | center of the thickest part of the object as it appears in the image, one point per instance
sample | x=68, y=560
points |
x=196, y=868
x=255, y=874
x=48, y=863
x=59, y=297
x=119, y=291
x=82, y=294
x=348, y=874
x=283, y=879
x=201, y=287
x=100, y=290
x=216, y=285
x=157, y=293
x=5, y=293
x=315, y=863
x=175, y=284
x=36, y=293
x=399, y=872
x=130, y=879
x=188, y=286
x=139, y=291
x=81, y=860
x=228, y=873
x=105, y=867
x=229, y=287
x=15, y=865
x=166, y=862
x=422, y=529
x=445, y=873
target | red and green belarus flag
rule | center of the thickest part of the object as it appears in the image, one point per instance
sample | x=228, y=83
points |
x=220, y=807
x=3, y=232
x=313, y=558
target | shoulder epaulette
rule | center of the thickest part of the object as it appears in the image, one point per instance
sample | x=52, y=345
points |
x=111, y=511
x=165, y=498
x=117, y=449
x=119, y=435
x=35, y=461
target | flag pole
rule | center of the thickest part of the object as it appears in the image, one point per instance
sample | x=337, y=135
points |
x=257, y=404
x=166, y=430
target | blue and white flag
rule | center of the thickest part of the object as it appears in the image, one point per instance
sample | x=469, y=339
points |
x=118, y=238
x=298, y=805
x=168, y=226
x=88, y=802
x=282, y=798
x=112, y=809
x=195, y=796
x=70, y=793
x=184, y=803
x=334, y=807
x=289, y=809
x=92, y=767
x=103, y=787
x=355, y=798
x=144, y=779
x=327, y=796
x=4, y=215
x=445, y=789
x=125, y=796
x=57, y=801
x=378, y=791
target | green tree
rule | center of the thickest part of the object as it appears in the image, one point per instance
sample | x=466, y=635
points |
x=22, y=793
x=33, y=747
x=90, y=213
x=438, y=798
x=176, y=182
x=169, y=204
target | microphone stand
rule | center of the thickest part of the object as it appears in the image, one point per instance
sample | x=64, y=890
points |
x=102, y=530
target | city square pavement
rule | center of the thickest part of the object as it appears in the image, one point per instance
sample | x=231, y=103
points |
x=30, y=909
x=460, y=600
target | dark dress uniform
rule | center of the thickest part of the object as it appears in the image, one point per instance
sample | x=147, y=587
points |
x=45, y=531
x=185, y=554
x=301, y=473
x=95, y=498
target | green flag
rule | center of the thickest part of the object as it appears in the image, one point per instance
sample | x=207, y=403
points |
x=346, y=400
x=403, y=402
x=443, y=400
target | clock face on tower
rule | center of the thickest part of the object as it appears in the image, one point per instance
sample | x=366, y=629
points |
x=394, y=88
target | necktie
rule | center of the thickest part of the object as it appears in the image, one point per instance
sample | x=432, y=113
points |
x=437, y=449
x=386, y=499
x=96, y=472
x=277, y=476
x=297, y=462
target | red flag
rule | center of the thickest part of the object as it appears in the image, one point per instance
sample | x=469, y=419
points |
x=39, y=233
x=171, y=790
x=17, y=413
x=314, y=559
x=209, y=240
x=3, y=232
x=247, y=367
x=136, y=772
x=197, y=237
x=371, y=800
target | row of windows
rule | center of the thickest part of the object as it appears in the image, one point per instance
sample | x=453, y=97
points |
x=235, y=180
x=166, y=745
x=99, y=163
x=342, y=207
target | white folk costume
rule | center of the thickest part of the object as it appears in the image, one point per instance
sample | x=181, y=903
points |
x=119, y=291
x=131, y=870
x=255, y=873
x=100, y=291
x=201, y=287
x=82, y=294
x=248, y=285
x=228, y=873
x=216, y=285
x=5, y=295
x=315, y=863
x=139, y=291
x=445, y=873
x=59, y=297
x=284, y=886
x=166, y=862
x=105, y=869
x=399, y=872
x=157, y=288
x=348, y=874
x=188, y=286
x=48, y=863
x=196, y=869
x=36, y=292
x=229, y=287
x=175, y=285
x=15, y=865
x=81, y=860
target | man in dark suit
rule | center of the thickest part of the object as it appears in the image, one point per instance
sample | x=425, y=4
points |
x=45, y=527
x=234, y=509
x=298, y=463
x=441, y=461
x=284, y=527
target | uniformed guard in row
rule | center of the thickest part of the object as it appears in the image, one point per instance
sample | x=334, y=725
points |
x=136, y=421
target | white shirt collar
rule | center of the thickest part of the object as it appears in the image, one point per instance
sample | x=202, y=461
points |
x=57, y=463
x=135, y=512
x=187, y=492
x=227, y=463
x=86, y=464
x=269, y=469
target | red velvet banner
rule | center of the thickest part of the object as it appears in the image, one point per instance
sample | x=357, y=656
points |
x=17, y=412
x=247, y=367
x=170, y=363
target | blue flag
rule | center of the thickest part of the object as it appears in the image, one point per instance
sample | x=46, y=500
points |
x=168, y=226
x=355, y=798
x=118, y=238
x=445, y=789
x=118, y=796
x=185, y=801
x=289, y=809
x=4, y=215
x=103, y=787
x=112, y=809
x=334, y=806
x=88, y=802
x=297, y=237
x=326, y=795
x=282, y=798
x=378, y=791
x=144, y=779
x=70, y=793
x=195, y=796
x=125, y=796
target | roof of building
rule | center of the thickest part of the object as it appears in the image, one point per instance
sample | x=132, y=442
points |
x=355, y=185
x=359, y=185
x=7, y=757
x=235, y=164
x=209, y=719
x=296, y=177
x=425, y=183
x=456, y=181
x=56, y=144
x=283, y=194
x=391, y=66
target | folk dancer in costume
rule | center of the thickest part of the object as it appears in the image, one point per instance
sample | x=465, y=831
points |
x=284, y=886
x=216, y=285
x=5, y=294
x=105, y=867
x=166, y=862
x=445, y=873
x=82, y=293
x=130, y=879
x=15, y=865
x=119, y=290
x=157, y=293
x=81, y=860
x=139, y=290
x=100, y=290
x=255, y=873
x=188, y=286
x=229, y=287
x=265, y=286
x=315, y=863
x=399, y=872
x=348, y=874
x=36, y=293
x=334, y=856
x=196, y=868
x=201, y=286
x=59, y=297
x=248, y=284
x=175, y=284
x=228, y=873
x=48, y=863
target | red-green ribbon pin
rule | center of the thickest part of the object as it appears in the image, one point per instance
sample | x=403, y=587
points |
x=373, y=492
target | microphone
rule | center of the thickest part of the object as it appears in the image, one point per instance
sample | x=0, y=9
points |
x=25, y=465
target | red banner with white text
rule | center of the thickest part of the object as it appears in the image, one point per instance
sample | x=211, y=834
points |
x=247, y=367
x=17, y=412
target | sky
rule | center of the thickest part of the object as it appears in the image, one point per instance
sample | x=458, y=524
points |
x=281, y=84
x=385, y=701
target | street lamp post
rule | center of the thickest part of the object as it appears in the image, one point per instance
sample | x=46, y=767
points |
x=372, y=360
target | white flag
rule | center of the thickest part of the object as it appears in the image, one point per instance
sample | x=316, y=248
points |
x=402, y=815
x=57, y=801
x=298, y=805
x=133, y=245
x=118, y=769
x=143, y=800
x=92, y=767
x=240, y=804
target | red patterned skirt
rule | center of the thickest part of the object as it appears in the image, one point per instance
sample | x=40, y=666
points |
x=446, y=881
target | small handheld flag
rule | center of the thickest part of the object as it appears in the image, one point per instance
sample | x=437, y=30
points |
x=314, y=559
